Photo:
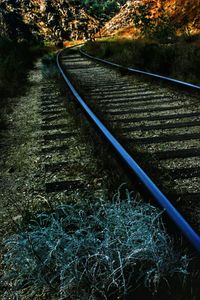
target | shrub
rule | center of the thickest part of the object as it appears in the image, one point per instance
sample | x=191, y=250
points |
x=49, y=66
x=179, y=60
x=157, y=58
x=96, y=250
x=15, y=59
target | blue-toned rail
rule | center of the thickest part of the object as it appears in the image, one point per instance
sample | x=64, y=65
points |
x=177, y=218
x=151, y=75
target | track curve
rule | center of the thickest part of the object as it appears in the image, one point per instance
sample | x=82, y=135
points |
x=158, y=127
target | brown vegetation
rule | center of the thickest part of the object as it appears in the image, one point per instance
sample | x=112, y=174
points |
x=181, y=11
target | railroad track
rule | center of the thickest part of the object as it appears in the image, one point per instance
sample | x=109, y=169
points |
x=159, y=127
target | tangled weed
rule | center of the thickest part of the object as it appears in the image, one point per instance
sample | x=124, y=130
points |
x=95, y=250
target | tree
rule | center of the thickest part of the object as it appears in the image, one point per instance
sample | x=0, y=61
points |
x=159, y=27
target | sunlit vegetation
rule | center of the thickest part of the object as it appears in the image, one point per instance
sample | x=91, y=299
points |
x=156, y=23
x=180, y=60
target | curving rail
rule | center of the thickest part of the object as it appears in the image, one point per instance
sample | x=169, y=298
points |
x=172, y=212
x=151, y=75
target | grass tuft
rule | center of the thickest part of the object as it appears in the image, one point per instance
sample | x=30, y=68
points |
x=95, y=251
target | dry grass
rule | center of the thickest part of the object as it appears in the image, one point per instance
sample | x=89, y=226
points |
x=95, y=251
x=179, y=60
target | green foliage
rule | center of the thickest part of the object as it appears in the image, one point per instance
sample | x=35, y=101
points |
x=92, y=250
x=103, y=9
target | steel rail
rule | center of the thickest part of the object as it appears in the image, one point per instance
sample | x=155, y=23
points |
x=172, y=212
x=151, y=75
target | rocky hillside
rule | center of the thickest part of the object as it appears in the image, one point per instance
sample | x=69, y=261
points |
x=178, y=10
x=120, y=22
x=54, y=20
x=58, y=20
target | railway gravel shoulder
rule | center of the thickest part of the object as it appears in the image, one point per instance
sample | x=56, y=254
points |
x=46, y=157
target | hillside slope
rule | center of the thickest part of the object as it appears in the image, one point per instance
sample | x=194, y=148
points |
x=178, y=10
